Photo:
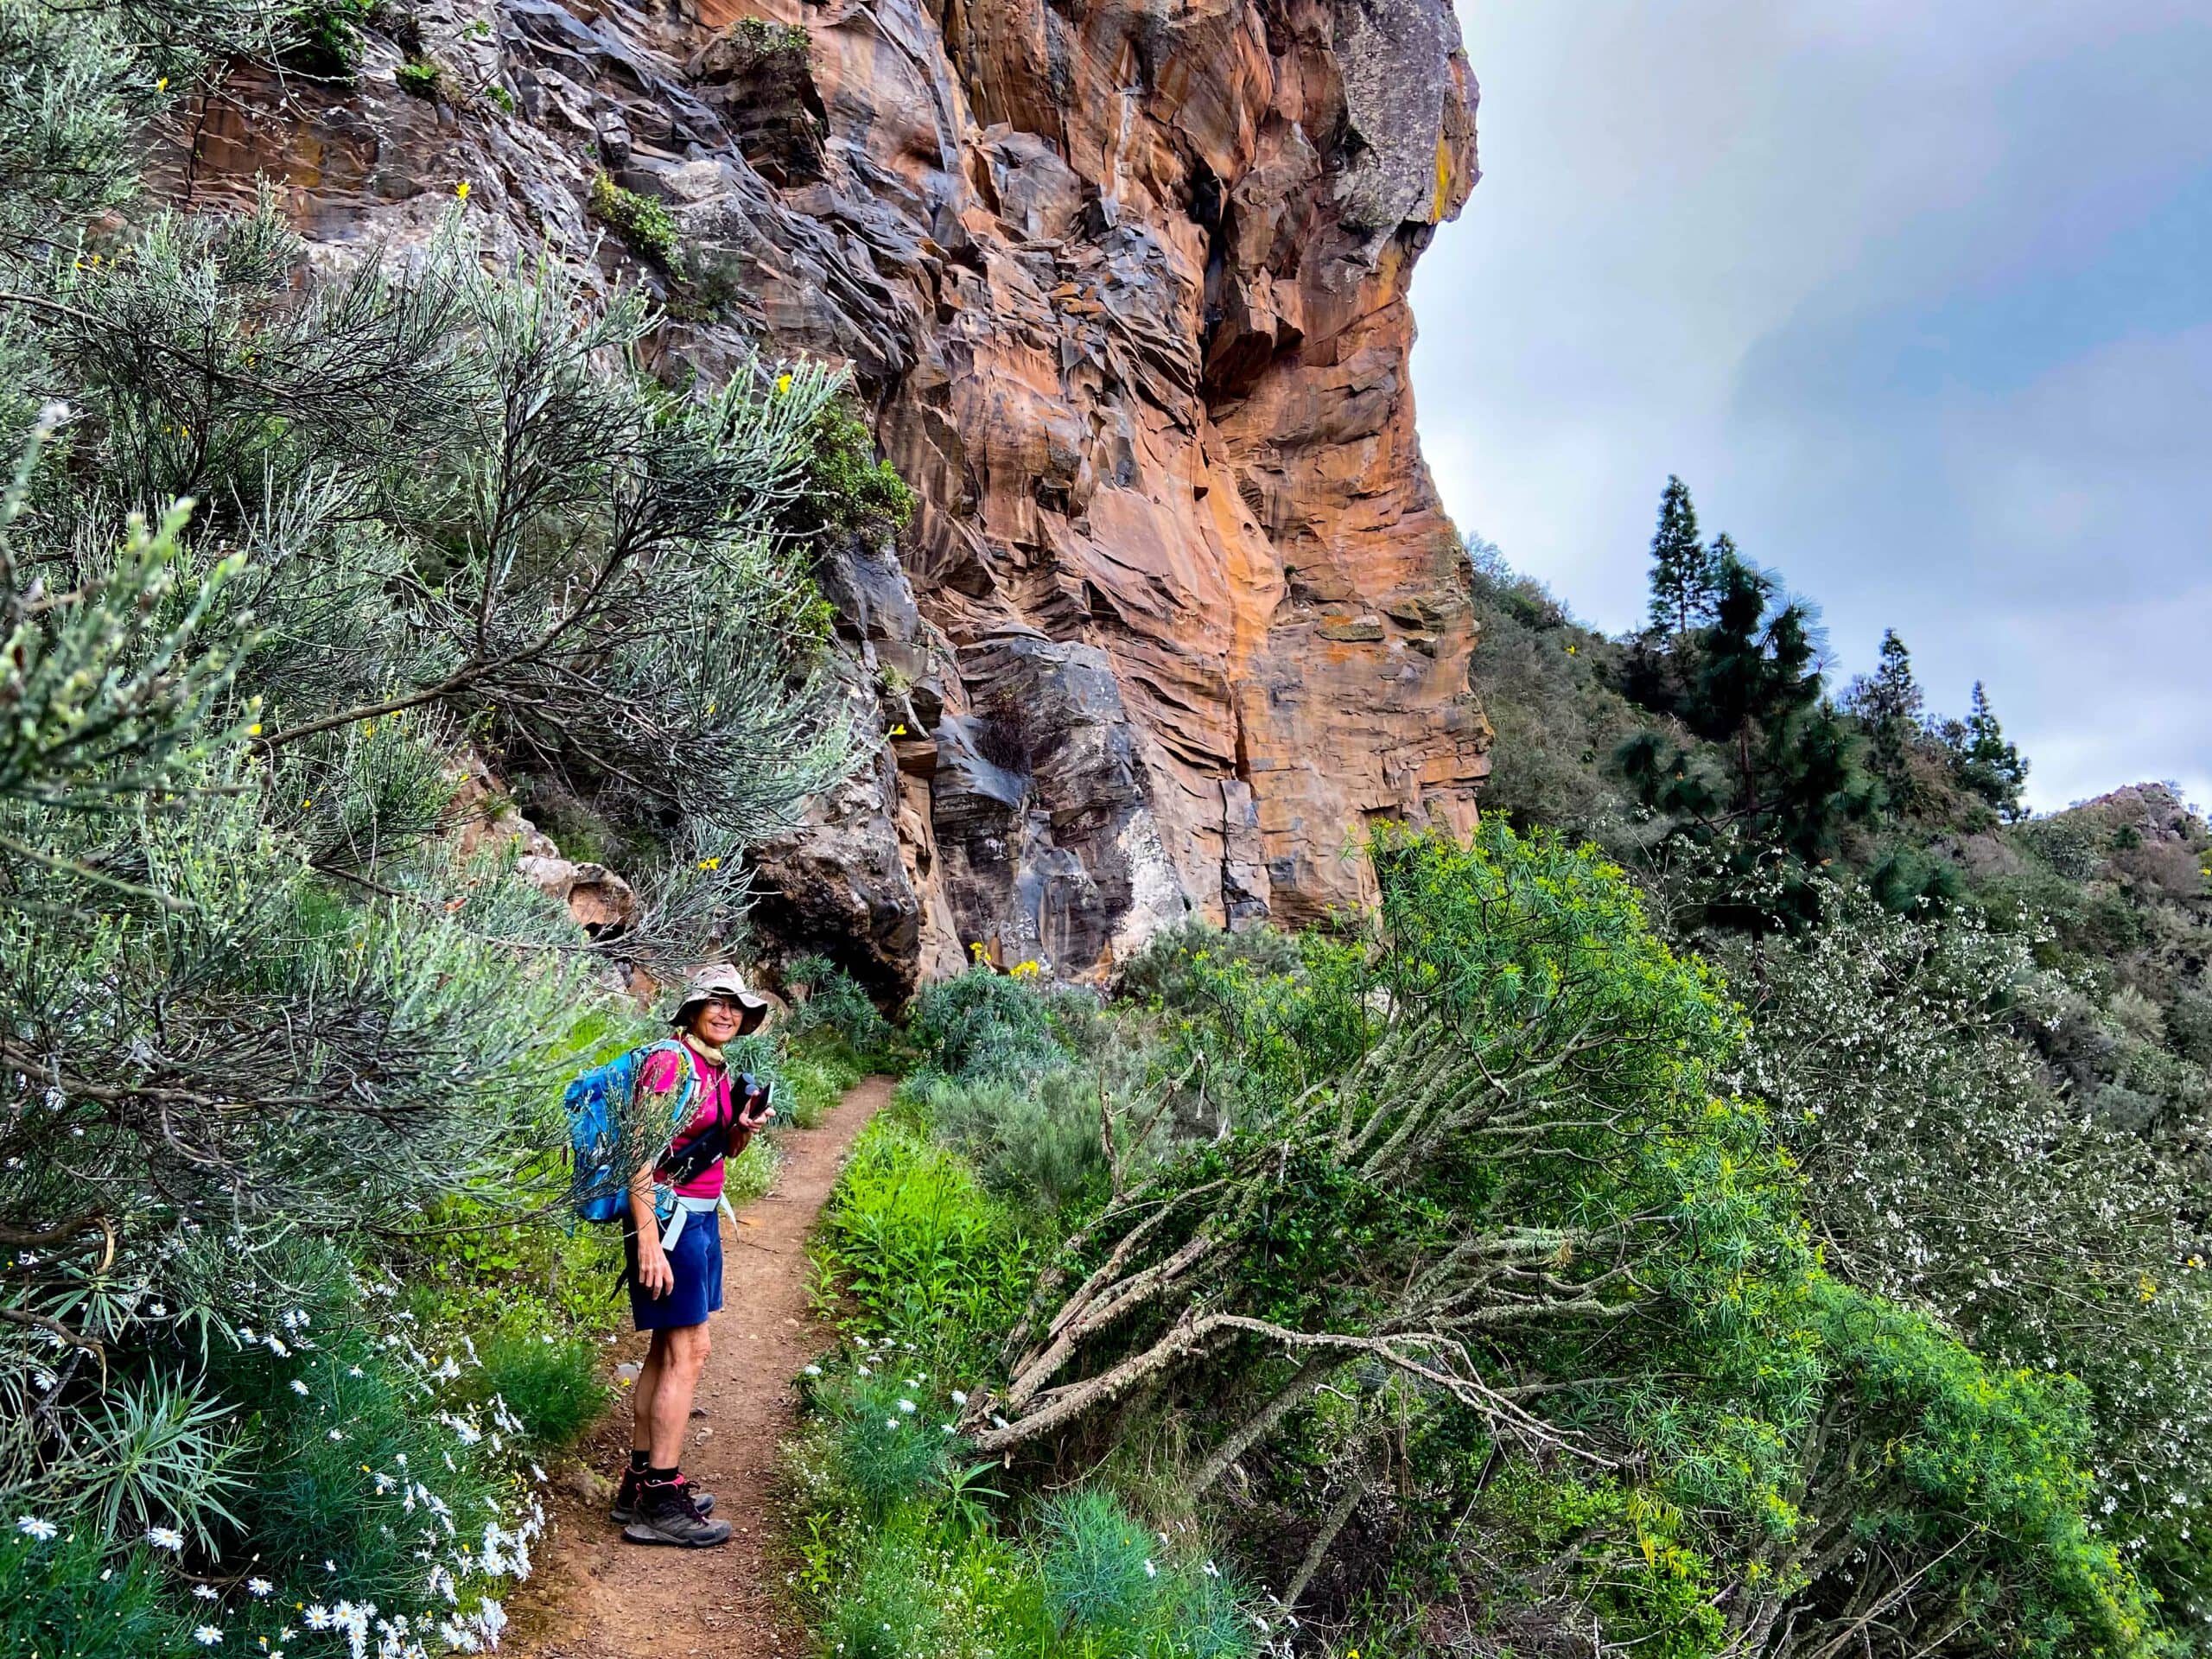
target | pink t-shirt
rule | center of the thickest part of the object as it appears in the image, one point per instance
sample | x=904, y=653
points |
x=709, y=1107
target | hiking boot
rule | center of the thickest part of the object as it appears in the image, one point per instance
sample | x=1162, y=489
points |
x=626, y=1499
x=665, y=1515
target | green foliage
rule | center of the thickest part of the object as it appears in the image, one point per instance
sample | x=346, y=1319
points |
x=1685, y=576
x=271, y=1048
x=326, y=37
x=645, y=224
x=771, y=39
x=69, y=1597
x=921, y=1253
x=849, y=489
x=884, y=1451
x=1564, y=1550
x=1775, y=766
x=986, y=1023
x=1984, y=762
x=1788, y=1450
x=422, y=78
x=1979, y=1502
x=1549, y=687
x=836, y=1002
x=1166, y=970
x=816, y=1071
x=1113, y=1588
x=550, y=1384
x=1037, y=1147
x=161, y=1456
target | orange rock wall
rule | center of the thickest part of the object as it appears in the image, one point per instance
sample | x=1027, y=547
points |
x=1124, y=288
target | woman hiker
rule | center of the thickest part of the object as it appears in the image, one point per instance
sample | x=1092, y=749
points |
x=675, y=1267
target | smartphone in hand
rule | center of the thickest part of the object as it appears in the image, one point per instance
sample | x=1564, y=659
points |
x=759, y=1104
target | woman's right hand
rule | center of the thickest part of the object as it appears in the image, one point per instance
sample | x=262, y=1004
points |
x=653, y=1271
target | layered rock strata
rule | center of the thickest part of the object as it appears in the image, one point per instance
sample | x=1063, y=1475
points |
x=1123, y=287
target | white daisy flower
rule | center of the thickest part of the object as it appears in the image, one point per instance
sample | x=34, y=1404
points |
x=207, y=1636
x=958, y=1398
x=258, y=1586
x=299, y=1387
x=167, y=1538
x=205, y=1592
x=907, y=1408
x=32, y=1526
x=1150, y=1570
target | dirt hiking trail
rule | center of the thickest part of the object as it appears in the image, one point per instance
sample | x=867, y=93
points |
x=595, y=1597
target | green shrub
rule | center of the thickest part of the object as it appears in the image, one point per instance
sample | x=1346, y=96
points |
x=990, y=1025
x=1118, y=1588
x=1037, y=1147
x=644, y=224
x=550, y=1384
x=1097, y=1564
x=337, y=1461
x=885, y=1446
x=886, y=1607
x=422, y=78
x=70, y=1598
x=164, y=1455
x=920, y=1251
x=1164, y=971
x=836, y=1001
x=818, y=1069
x=847, y=488
x=326, y=37
x=752, y=1173
x=771, y=39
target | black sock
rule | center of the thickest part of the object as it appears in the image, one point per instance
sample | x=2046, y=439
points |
x=660, y=1476
x=640, y=1461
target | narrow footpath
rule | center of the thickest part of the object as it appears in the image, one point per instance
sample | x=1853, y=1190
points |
x=595, y=1597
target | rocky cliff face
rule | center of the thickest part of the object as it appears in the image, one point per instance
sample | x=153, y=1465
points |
x=1123, y=287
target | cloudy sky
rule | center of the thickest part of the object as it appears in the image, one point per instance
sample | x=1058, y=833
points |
x=1916, y=297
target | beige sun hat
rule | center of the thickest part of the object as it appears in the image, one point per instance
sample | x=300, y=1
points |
x=722, y=979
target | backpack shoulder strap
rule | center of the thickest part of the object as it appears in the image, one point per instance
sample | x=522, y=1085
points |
x=681, y=1098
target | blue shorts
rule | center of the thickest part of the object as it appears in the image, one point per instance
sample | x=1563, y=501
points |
x=696, y=1261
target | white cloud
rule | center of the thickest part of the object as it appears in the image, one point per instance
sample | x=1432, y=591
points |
x=1860, y=274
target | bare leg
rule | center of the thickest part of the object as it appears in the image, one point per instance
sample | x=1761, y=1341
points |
x=646, y=1389
x=682, y=1358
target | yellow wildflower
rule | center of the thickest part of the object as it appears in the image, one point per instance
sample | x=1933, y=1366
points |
x=710, y=863
x=783, y=383
x=462, y=189
x=254, y=730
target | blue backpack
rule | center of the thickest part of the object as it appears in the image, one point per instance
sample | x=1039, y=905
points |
x=607, y=1144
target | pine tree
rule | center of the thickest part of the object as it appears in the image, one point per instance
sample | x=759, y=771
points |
x=1779, y=768
x=1682, y=569
x=1986, y=764
x=1889, y=705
